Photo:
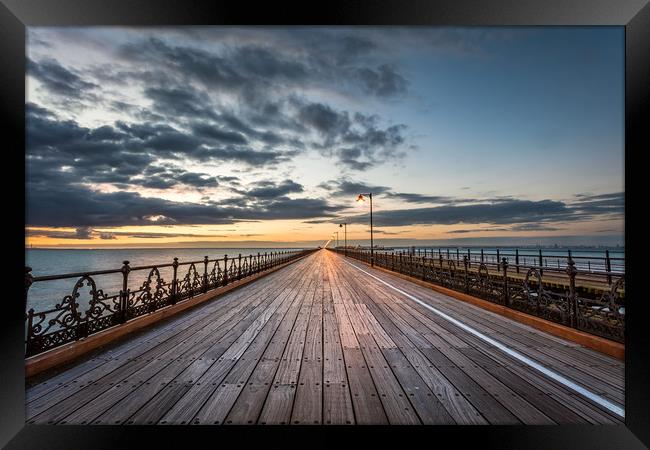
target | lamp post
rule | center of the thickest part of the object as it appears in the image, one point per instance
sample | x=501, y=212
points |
x=345, y=248
x=360, y=198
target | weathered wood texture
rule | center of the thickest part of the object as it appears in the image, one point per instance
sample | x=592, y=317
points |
x=320, y=342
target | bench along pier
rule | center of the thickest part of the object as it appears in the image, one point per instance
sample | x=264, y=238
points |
x=316, y=337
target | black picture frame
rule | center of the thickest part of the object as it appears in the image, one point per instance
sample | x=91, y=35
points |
x=15, y=15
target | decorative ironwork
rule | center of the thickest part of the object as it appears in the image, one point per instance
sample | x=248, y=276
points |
x=539, y=292
x=67, y=321
x=191, y=283
x=143, y=300
x=605, y=315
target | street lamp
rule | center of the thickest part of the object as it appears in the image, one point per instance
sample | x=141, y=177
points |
x=345, y=249
x=360, y=199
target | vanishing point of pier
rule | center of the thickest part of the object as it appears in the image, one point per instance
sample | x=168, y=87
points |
x=326, y=339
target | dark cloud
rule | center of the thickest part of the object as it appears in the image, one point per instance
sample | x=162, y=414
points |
x=79, y=233
x=325, y=120
x=419, y=198
x=243, y=155
x=269, y=189
x=178, y=101
x=344, y=187
x=503, y=212
x=217, y=134
x=57, y=79
x=68, y=205
x=384, y=81
x=613, y=203
x=90, y=233
x=358, y=142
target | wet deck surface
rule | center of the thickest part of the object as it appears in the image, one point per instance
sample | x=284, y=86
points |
x=322, y=342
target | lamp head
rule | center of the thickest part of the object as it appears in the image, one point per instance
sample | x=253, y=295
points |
x=340, y=225
x=360, y=198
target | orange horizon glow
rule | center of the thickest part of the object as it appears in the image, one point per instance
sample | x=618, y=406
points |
x=288, y=231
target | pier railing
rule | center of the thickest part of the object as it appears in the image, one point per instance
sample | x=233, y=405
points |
x=586, y=300
x=72, y=319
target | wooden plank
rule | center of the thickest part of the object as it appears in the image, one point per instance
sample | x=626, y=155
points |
x=153, y=377
x=365, y=399
x=337, y=401
x=308, y=404
x=279, y=402
x=421, y=382
x=215, y=409
x=250, y=401
x=140, y=369
x=594, y=385
x=486, y=393
x=396, y=406
x=191, y=403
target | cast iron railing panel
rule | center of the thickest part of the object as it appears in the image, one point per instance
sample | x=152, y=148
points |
x=87, y=310
x=546, y=292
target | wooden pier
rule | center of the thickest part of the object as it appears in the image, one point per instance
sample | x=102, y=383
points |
x=328, y=340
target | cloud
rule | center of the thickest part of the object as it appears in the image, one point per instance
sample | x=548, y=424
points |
x=343, y=187
x=501, y=212
x=88, y=233
x=384, y=81
x=358, y=142
x=269, y=189
x=419, y=198
x=57, y=79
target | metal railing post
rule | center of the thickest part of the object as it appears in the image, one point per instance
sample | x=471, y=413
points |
x=239, y=268
x=225, y=270
x=498, y=259
x=124, y=294
x=517, y=259
x=609, y=267
x=571, y=298
x=29, y=279
x=174, y=282
x=541, y=263
x=205, y=274
x=258, y=267
x=466, y=274
x=423, y=265
x=506, y=296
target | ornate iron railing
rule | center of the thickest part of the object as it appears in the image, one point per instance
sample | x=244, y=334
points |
x=67, y=321
x=566, y=295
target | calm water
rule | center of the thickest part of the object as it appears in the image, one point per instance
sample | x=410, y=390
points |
x=45, y=294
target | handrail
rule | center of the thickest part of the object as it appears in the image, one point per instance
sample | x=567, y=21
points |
x=66, y=321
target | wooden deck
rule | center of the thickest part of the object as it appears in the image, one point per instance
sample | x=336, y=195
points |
x=321, y=342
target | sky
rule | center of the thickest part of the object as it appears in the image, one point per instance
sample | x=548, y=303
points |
x=241, y=136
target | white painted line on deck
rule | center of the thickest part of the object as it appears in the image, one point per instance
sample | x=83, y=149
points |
x=524, y=359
